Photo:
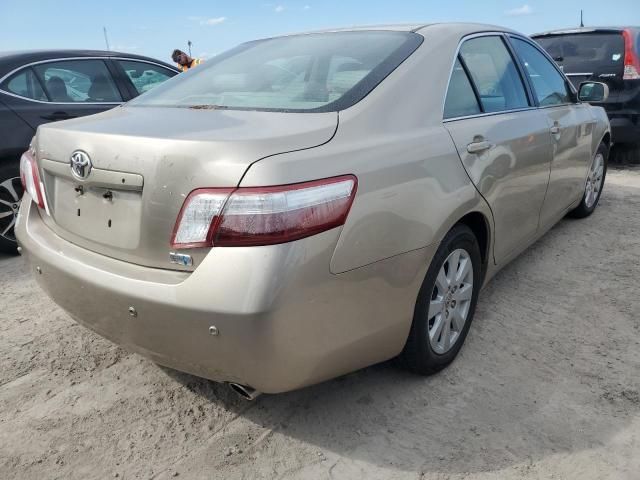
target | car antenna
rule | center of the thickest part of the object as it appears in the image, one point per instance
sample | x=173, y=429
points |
x=581, y=22
x=106, y=40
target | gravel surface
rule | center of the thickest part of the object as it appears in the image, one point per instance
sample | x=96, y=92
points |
x=547, y=386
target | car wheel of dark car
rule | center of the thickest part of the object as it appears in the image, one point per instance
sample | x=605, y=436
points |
x=594, y=183
x=10, y=196
x=446, y=304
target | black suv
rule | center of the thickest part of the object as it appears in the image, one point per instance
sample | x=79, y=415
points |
x=603, y=54
x=44, y=86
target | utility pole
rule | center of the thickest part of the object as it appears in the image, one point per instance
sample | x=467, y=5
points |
x=106, y=39
x=189, y=43
x=581, y=22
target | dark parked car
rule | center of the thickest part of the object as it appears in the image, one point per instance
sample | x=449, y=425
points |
x=38, y=87
x=604, y=54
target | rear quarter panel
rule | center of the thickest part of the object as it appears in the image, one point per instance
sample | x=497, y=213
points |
x=412, y=187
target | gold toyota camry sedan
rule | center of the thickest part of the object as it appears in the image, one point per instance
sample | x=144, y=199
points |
x=303, y=206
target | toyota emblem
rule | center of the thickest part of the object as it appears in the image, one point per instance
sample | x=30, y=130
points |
x=80, y=164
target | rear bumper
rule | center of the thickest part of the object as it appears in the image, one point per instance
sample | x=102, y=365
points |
x=284, y=320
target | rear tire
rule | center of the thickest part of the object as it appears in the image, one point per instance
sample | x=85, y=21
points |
x=10, y=197
x=445, y=305
x=594, y=184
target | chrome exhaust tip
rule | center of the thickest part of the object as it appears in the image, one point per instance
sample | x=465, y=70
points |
x=245, y=392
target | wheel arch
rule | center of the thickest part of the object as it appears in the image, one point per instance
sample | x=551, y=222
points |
x=479, y=225
x=606, y=139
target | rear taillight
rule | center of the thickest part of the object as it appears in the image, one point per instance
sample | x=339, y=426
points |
x=198, y=217
x=631, y=60
x=30, y=178
x=249, y=216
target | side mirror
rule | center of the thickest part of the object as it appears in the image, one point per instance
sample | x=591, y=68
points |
x=593, y=92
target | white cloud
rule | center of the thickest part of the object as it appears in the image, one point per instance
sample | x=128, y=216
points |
x=307, y=7
x=520, y=11
x=208, y=21
x=279, y=8
x=213, y=21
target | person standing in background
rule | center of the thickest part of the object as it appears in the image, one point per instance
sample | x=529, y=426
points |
x=184, y=61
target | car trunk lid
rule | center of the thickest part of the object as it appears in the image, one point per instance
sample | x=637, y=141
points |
x=144, y=163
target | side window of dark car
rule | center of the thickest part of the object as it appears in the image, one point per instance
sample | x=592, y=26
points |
x=494, y=74
x=69, y=81
x=461, y=101
x=25, y=84
x=145, y=76
x=550, y=87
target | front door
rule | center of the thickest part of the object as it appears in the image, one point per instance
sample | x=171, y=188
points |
x=570, y=127
x=503, y=142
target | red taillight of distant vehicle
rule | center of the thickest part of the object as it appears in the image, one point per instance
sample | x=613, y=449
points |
x=631, y=58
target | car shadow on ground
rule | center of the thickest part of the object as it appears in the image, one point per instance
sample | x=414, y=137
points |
x=533, y=380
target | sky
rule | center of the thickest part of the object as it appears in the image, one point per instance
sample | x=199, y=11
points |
x=155, y=27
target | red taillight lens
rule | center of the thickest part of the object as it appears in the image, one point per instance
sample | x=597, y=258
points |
x=263, y=216
x=631, y=60
x=270, y=215
x=30, y=178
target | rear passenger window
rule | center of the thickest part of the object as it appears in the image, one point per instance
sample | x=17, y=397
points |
x=25, y=84
x=550, y=88
x=461, y=100
x=69, y=81
x=494, y=74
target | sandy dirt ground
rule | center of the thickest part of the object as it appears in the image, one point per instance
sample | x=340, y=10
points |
x=547, y=386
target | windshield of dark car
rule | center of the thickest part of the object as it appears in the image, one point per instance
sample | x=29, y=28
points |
x=314, y=72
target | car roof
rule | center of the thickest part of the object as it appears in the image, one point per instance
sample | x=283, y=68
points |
x=397, y=27
x=467, y=28
x=570, y=31
x=454, y=28
x=11, y=60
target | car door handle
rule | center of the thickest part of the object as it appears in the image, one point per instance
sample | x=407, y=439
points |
x=57, y=116
x=555, y=130
x=478, y=147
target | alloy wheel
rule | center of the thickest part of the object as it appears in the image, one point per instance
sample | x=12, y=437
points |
x=10, y=196
x=450, y=301
x=594, y=180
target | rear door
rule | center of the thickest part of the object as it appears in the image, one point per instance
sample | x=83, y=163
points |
x=570, y=125
x=61, y=89
x=502, y=139
x=582, y=56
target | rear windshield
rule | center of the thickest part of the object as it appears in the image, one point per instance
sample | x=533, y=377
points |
x=586, y=52
x=304, y=73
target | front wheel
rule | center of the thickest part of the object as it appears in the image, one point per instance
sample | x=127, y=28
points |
x=10, y=196
x=446, y=304
x=594, y=184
